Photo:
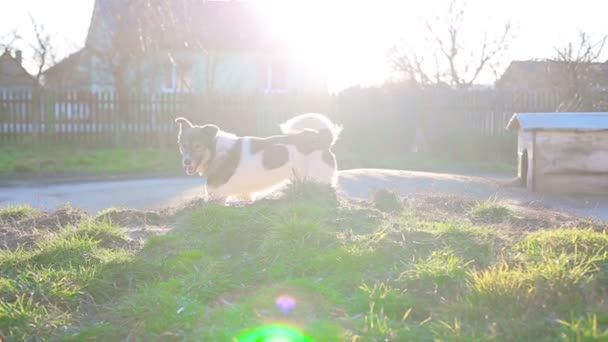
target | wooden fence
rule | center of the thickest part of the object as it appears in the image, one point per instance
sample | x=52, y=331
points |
x=445, y=121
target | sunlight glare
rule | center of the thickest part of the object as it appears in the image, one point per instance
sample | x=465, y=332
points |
x=338, y=36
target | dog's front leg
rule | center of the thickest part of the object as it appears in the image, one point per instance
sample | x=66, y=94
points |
x=216, y=197
x=206, y=194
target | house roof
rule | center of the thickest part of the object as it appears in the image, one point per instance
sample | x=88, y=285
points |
x=536, y=66
x=591, y=121
x=534, y=74
x=67, y=64
x=12, y=73
x=70, y=73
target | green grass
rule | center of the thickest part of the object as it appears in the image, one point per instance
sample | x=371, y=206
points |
x=490, y=211
x=41, y=290
x=386, y=200
x=59, y=159
x=312, y=267
x=64, y=159
x=17, y=212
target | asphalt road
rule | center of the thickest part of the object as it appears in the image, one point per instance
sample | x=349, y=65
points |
x=92, y=196
x=154, y=193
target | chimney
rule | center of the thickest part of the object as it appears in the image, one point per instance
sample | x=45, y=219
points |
x=19, y=56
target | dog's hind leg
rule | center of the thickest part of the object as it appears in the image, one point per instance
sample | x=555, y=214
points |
x=323, y=168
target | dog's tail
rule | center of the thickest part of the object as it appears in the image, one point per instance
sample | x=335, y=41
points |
x=312, y=121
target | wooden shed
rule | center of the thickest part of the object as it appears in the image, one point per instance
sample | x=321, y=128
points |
x=562, y=153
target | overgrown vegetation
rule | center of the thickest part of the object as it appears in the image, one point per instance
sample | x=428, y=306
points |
x=310, y=266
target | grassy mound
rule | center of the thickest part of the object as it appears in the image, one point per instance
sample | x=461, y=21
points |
x=310, y=267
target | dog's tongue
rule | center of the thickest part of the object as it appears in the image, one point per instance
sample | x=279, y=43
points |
x=190, y=169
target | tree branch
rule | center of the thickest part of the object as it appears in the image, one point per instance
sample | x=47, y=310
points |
x=455, y=63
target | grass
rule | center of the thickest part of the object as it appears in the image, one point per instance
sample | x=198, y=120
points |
x=70, y=160
x=17, y=212
x=41, y=290
x=490, y=211
x=309, y=267
x=386, y=200
x=30, y=160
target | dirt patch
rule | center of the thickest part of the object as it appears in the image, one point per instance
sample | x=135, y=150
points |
x=132, y=217
x=137, y=224
x=141, y=233
x=534, y=218
x=184, y=207
x=26, y=232
x=59, y=218
x=446, y=203
x=528, y=217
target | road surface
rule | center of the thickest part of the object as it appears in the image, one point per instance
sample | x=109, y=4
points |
x=155, y=193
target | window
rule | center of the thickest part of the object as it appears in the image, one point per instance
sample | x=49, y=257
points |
x=169, y=77
x=177, y=77
x=276, y=77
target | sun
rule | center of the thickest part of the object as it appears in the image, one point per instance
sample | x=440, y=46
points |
x=349, y=39
x=346, y=38
x=303, y=26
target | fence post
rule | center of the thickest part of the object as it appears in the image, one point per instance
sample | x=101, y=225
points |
x=115, y=118
x=36, y=114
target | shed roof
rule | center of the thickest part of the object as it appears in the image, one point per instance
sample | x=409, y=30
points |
x=591, y=121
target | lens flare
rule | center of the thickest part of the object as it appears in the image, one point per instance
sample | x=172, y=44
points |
x=286, y=303
x=274, y=333
x=279, y=330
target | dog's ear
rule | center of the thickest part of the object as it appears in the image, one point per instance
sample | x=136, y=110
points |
x=180, y=121
x=211, y=130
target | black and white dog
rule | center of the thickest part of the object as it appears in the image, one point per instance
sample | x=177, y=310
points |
x=245, y=167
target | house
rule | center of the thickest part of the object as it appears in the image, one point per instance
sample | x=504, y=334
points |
x=552, y=75
x=220, y=46
x=71, y=73
x=562, y=153
x=13, y=77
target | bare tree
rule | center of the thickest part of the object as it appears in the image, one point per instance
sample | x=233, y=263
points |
x=576, y=74
x=44, y=54
x=411, y=67
x=150, y=30
x=8, y=40
x=119, y=42
x=41, y=47
x=449, y=60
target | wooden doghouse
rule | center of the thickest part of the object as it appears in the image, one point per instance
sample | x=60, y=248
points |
x=562, y=153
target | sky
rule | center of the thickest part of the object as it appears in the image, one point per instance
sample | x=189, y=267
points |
x=351, y=38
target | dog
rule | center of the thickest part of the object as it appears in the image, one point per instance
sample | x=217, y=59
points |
x=245, y=167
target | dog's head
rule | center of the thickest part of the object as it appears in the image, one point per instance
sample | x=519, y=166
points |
x=196, y=144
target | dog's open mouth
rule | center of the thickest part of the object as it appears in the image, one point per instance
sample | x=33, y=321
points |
x=190, y=169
